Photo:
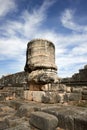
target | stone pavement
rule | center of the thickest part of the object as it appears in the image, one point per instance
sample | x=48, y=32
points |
x=28, y=115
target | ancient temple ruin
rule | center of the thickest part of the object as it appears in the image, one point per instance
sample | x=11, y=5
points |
x=40, y=82
x=36, y=99
x=77, y=79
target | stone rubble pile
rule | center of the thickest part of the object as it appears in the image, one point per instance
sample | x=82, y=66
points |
x=22, y=115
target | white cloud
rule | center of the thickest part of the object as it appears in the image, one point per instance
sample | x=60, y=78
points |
x=67, y=20
x=70, y=50
x=17, y=33
x=28, y=23
x=6, y=6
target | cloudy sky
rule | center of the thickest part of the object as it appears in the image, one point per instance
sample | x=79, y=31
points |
x=64, y=22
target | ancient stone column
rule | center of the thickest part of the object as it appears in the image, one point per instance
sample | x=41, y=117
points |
x=40, y=54
x=40, y=64
x=42, y=72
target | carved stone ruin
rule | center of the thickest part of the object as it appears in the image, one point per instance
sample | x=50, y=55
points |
x=40, y=66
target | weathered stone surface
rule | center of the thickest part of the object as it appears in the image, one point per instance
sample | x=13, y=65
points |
x=51, y=87
x=65, y=117
x=77, y=79
x=58, y=128
x=3, y=125
x=61, y=87
x=37, y=96
x=25, y=110
x=68, y=116
x=28, y=95
x=46, y=106
x=1, y=105
x=33, y=128
x=80, y=122
x=45, y=97
x=43, y=121
x=51, y=97
x=0, y=109
x=45, y=87
x=15, y=80
x=42, y=77
x=84, y=87
x=14, y=104
x=40, y=64
x=40, y=54
x=13, y=121
x=7, y=109
x=60, y=97
x=76, y=89
x=75, y=97
x=84, y=97
x=68, y=89
x=22, y=126
x=72, y=96
x=84, y=92
x=2, y=98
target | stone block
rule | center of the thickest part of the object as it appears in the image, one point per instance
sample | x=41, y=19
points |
x=50, y=97
x=43, y=121
x=45, y=87
x=84, y=97
x=25, y=110
x=14, y=104
x=64, y=115
x=44, y=96
x=3, y=125
x=28, y=95
x=37, y=96
x=34, y=87
x=0, y=109
x=69, y=117
x=75, y=96
x=68, y=89
x=53, y=97
x=13, y=121
x=61, y=97
x=62, y=88
x=33, y=128
x=72, y=96
x=84, y=88
x=66, y=97
x=2, y=98
x=50, y=87
x=7, y=109
x=23, y=126
x=80, y=122
x=76, y=89
x=84, y=92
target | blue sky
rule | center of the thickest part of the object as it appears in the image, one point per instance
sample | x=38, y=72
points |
x=64, y=22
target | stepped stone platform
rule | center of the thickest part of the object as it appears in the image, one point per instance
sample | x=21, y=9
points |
x=29, y=115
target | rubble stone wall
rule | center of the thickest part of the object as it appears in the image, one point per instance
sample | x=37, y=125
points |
x=15, y=80
x=78, y=79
